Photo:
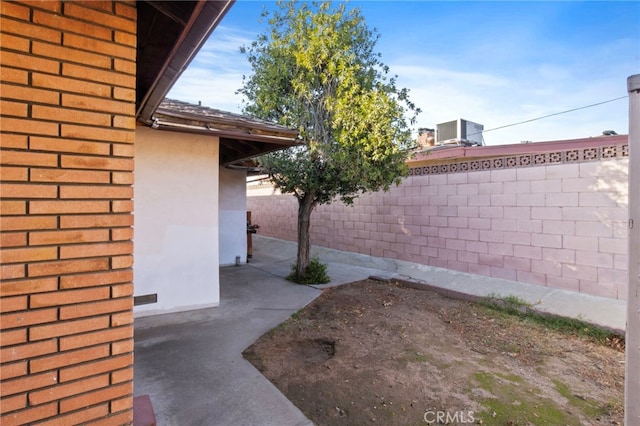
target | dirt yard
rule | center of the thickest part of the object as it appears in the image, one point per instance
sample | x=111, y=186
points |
x=372, y=352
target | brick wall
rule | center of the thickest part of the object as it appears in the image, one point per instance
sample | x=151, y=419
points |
x=557, y=225
x=67, y=104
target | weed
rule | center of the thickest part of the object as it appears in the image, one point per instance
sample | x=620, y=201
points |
x=314, y=273
x=514, y=306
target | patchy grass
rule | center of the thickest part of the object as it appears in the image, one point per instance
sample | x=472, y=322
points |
x=515, y=306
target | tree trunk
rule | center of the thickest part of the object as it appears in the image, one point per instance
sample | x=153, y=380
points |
x=305, y=207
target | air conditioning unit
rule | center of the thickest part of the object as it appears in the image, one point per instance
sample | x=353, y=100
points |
x=459, y=132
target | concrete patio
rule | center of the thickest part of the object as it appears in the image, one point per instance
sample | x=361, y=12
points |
x=191, y=365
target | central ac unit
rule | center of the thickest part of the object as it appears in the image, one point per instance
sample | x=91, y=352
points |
x=459, y=132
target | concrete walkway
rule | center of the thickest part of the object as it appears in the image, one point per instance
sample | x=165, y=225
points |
x=191, y=363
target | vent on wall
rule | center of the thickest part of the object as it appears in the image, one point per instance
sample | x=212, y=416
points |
x=145, y=299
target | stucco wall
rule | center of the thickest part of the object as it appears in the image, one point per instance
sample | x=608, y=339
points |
x=560, y=225
x=176, y=220
x=233, y=216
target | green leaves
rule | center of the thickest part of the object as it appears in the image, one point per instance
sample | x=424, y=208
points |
x=315, y=69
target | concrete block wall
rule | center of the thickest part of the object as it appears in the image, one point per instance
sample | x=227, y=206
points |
x=68, y=122
x=557, y=225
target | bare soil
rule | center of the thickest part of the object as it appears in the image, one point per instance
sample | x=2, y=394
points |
x=374, y=352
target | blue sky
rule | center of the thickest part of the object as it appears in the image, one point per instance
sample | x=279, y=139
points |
x=494, y=63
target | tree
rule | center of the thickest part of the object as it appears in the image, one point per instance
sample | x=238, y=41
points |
x=315, y=69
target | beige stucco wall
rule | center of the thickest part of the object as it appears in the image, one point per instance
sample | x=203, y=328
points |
x=233, y=216
x=176, y=220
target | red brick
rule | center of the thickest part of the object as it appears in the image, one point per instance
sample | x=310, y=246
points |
x=96, y=367
x=121, y=262
x=102, y=395
x=95, y=338
x=61, y=298
x=70, y=25
x=22, y=319
x=16, y=109
x=13, y=370
x=30, y=415
x=70, y=176
x=22, y=190
x=62, y=391
x=9, y=272
x=14, y=10
x=79, y=417
x=30, y=254
x=13, y=141
x=97, y=308
x=124, y=122
x=121, y=150
x=121, y=404
x=18, y=223
x=65, y=115
x=122, y=178
x=13, y=239
x=96, y=221
x=16, y=43
x=95, y=250
x=68, y=145
x=30, y=63
x=12, y=208
x=123, y=375
x=12, y=75
x=68, y=237
x=121, y=234
x=88, y=132
x=109, y=20
x=12, y=304
x=97, y=4
x=13, y=403
x=68, y=206
x=123, y=318
x=122, y=94
x=32, y=381
x=31, y=127
x=128, y=67
x=73, y=85
x=13, y=337
x=121, y=347
x=50, y=5
x=127, y=39
x=71, y=55
x=66, y=328
x=95, y=279
x=64, y=359
x=125, y=10
x=125, y=81
x=21, y=158
x=29, y=350
x=29, y=286
x=14, y=173
x=121, y=290
x=96, y=163
x=98, y=104
x=106, y=47
x=31, y=31
x=122, y=206
x=125, y=418
x=85, y=192
x=67, y=267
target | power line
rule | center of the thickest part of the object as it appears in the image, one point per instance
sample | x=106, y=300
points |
x=554, y=114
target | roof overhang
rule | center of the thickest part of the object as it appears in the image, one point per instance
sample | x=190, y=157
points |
x=241, y=138
x=170, y=33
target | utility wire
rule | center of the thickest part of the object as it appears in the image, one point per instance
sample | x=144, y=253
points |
x=550, y=115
